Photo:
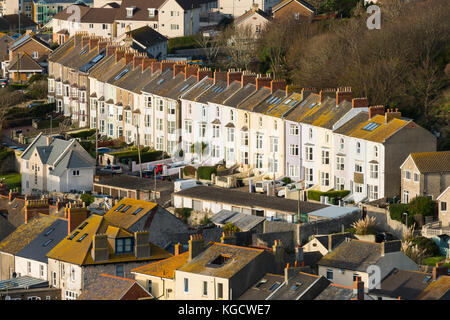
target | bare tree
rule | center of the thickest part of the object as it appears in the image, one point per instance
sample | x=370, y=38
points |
x=240, y=46
x=210, y=46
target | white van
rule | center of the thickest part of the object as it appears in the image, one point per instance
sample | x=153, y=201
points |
x=185, y=184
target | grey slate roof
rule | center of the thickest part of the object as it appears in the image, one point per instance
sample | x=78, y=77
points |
x=6, y=228
x=247, y=199
x=333, y=292
x=302, y=286
x=263, y=288
x=22, y=283
x=41, y=245
x=244, y=222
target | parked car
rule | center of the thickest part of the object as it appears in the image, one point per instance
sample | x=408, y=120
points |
x=3, y=82
x=103, y=150
x=182, y=184
x=112, y=169
x=261, y=186
x=13, y=147
x=5, y=144
x=35, y=103
x=291, y=187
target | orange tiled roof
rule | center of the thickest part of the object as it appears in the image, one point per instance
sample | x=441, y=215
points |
x=164, y=268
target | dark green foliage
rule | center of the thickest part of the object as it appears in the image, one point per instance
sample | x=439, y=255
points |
x=422, y=205
x=132, y=155
x=206, y=171
x=315, y=195
x=231, y=227
x=178, y=43
x=87, y=198
x=183, y=213
x=37, y=77
x=286, y=180
x=205, y=220
x=396, y=211
x=430, y=247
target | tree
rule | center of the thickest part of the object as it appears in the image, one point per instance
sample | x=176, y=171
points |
x=210, y=47
x=231, y=227
x=239, y=46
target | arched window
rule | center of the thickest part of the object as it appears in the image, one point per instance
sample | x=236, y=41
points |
x=342, y=143
x=310, y=133
x=358, y=147
x=375, y=151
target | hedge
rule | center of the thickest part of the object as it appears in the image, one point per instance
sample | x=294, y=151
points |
x=178, y=43
x=83, y=134
x=396, y=211
x=132, y=155
x=430, y=247
x=315, y=195
x=206, y=171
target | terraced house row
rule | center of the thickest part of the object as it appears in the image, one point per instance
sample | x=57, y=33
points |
x=328, y=138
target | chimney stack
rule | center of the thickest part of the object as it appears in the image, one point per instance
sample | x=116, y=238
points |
x=93, y=42
x=178, y=249
x=233, y=75
x=278, y=251
x=195, y=245
x=307, y=91
x=439, y=271
x=178, y=67
x=342, y=94
x=329, y=92
x=146, y=63
x=137, y=60
x=277, y=85
x=263, y=81
x=110, y=49
x=85, y=41
x=102, y=45
x=220, y=76
x=128, y=56
x=75, y=215
x=141, y=245
x=190, y=70
x=228, y=237
x=119, y=54
x=291, y=89
x=202, y=73
x=374, y=110
x=391, y=114
x=358, y=288
x=248, y=77
x=100, y=248
x=34, y=207
x=156, y=66
x=167, y=65
x=360, y=103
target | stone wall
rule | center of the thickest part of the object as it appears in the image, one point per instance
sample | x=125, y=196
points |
x=10, y=163
x=384, y=222
x=267, y=239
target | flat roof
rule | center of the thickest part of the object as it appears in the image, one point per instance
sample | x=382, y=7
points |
x=333, y=212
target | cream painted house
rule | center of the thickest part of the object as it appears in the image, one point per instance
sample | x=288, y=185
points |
x=444, y=207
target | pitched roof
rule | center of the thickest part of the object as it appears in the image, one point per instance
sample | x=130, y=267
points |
x=240, y=95
x=254, y=200
x=382, y=131
x=16, y=214
x=428, y=162
x=243, y=221
x=76, y=248
x=404, y=284
x=108, y=287
x=353, y=255
x=163, y=268
x=26, y=38
x=10, y=22
x=45, y=241
x=25, y=234
x=237, y=258
x=136, y=209
x=281, y=4
x=6, y=228
x=140, y=13
x=146, y=36
x=90, y=14
x=24, y=63
x=336, y=238
x=298, y=285
x=336, y=292
x=250, y=13
x=263, y=288
x=437, y=290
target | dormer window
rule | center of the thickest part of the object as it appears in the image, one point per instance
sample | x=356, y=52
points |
x=151, y=12
x=130, y=11
x=124, y=245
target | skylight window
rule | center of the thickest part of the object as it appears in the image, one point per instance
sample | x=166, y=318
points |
x=303, y=103
x=293, y=102
x=83, y=225
x=160, y=81
x=371, y=126
x=312, y=105
x=259, y=284
x=46, y=243
x=49, y=231
x=184, y=88
x=121, y=74
x=220, y=260
x=119, y=207
x=295, y=286
x=126, y=208
x=82, y=237
x=287, y=101
x=73, y=235
x=137, y=211
x=83, y=52
x=274, y=286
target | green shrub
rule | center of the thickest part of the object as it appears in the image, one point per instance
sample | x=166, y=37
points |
x=37, y=77
x=431, y=261
x=206, y=171
x=315, y=194
x=422, y=205
x=87, y=198
x=132, y=155
x=230, y=226
x=430, y=247
x=396, y=211
x=178, y=43
x=205, y=220
x=286, y=180
x=183, y=213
